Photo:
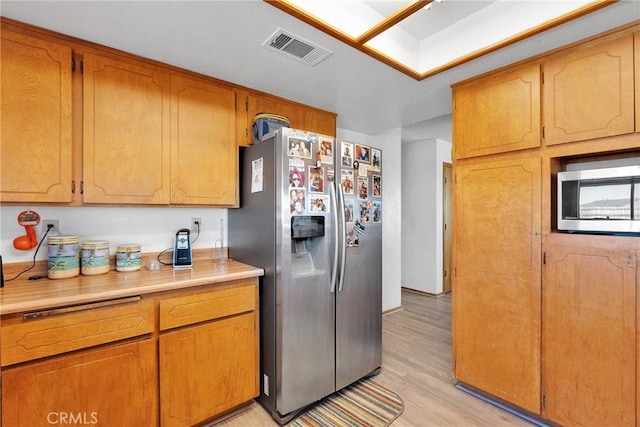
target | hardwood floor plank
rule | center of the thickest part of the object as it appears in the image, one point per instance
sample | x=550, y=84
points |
x=416, y=364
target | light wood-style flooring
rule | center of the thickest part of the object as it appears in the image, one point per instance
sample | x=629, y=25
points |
x=417, y=366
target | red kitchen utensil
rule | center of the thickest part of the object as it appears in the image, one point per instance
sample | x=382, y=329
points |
x=27, y=219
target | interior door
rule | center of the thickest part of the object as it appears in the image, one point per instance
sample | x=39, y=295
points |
x=447, y=227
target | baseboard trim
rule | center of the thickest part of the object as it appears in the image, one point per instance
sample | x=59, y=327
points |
x=502, y=406
x=392, y=310
x=419, y=292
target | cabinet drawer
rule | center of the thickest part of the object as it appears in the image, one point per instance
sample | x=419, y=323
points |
x=189, y=309
x=72, y=328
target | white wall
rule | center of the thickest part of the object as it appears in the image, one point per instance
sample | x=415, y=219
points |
x=438, y=127
x=389, y=143
x=422, y=168
x=152, y=227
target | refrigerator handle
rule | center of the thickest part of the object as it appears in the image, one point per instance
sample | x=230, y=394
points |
x=342, y=239
x=336, y=236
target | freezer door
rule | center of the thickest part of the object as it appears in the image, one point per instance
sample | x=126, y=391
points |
x=305, y=303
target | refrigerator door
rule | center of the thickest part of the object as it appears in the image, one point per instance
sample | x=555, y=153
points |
x=359, y=296
x=305, y=304
x=359, y=311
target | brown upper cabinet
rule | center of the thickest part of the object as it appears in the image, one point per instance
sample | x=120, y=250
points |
x=497, y=113
x=126, y=123
x=36, y=150
x=204, y=160
x=155, y=138
x=299, y=116
x=588, y=91
x=121, y=129
x=637, y=78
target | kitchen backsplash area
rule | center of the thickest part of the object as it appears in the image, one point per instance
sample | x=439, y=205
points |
x=152, y=227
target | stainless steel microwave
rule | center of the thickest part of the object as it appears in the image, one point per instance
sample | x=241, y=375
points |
x=603, y=200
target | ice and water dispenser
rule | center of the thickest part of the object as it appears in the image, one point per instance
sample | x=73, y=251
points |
x=308, y=245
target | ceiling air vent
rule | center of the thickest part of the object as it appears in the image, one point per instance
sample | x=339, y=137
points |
x=299, y=48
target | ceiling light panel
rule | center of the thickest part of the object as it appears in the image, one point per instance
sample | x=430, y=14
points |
x=399, y=45
x=441, y=16
x=497, y=21
x=386, y=8
x=348, y=16
x=421, y=42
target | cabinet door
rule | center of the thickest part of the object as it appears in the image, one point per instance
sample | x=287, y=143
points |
x=498, y=113
x=36, y=151
x=113, y=386
x=588, y=91
x=589, y=341
x=204, y=165
x=207, y=369
x=126, y=142
x=637, y=78
x=314, y=120
x=496, y=331
x=299, y=116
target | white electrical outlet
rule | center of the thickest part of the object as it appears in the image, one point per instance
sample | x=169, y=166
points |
x=54, y=222
x=196, y=225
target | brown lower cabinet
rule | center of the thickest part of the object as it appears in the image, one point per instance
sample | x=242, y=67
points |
x=207, y=354
x=589, y=335
x=174, y=358
x=111, y=386
x=496, y=296
x=546, y=323
x=206, y=370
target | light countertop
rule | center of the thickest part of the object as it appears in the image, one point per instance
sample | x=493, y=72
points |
x=26, y=295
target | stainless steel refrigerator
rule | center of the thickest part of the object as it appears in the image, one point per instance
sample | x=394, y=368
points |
x=320, y=246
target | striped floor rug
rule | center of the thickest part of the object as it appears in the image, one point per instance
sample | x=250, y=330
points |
x=362, y=404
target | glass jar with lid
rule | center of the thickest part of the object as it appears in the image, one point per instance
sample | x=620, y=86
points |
x=64, y=257
x=129, y=257
x=94, y=257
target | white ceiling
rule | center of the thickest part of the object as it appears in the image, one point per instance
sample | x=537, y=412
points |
x=224, y=39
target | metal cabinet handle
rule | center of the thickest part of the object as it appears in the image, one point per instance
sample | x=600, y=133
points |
x=30, y=315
